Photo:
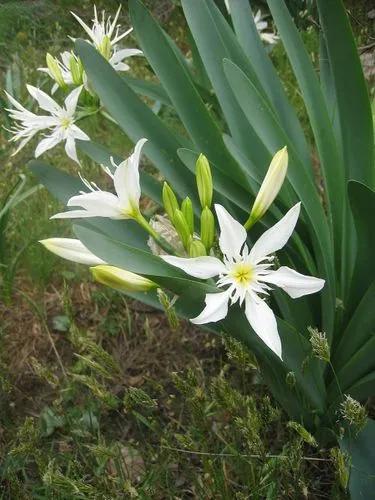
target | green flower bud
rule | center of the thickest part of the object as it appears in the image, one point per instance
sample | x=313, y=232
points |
x=76, y=69
x=182, y=228
x=105, y=47
x=55, y=70
x=122, y=280
x=197, y=249
x=169, y=201
x=204, y=181
x=187, y=210
x=270, y=187
x=207, y=228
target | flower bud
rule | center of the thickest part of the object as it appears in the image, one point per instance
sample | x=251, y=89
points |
x=204, y=181
x=105, y=47
x=55, y=70
x=182, y=227
x=270, y=187
x=71, y=249
x=187, y=210
x=76, y=69
x=197, y=249
x=207, y=228
x=169, y=201
x=122, y=280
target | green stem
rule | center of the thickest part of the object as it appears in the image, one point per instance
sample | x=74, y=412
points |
x=159, y=239
x=250, y=222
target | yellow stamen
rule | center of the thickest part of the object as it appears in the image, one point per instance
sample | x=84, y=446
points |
x=243, y=273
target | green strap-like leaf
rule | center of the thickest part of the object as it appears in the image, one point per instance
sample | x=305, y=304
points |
x=354, y=108
x=148, y=89
x=181, y=90
x=361, y=451
x=330, y=161
x=253, y=47
x=135, y=118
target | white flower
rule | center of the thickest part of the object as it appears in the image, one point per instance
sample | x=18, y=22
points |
x=248, y=274
x=261, y=25
x=104, y=35
x=122, y=205
x=60, y=122
x=72, y=249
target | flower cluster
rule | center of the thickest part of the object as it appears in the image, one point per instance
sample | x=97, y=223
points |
x=244, y=275
x=66, y=72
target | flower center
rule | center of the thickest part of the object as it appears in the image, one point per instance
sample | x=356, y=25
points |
x=243, y=273
x=66, y=122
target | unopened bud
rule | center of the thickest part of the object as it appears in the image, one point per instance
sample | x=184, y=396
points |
x=182, y=228
x=204, y=181
x=169, y=201
x=105, y=47
x=187, y=210
x=197, y=249
x=270, y=187
x=55, y=70
x=207, y=228
x=76, y=69
x=122, y=280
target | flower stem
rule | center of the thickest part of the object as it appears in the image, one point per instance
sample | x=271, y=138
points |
x=159, y=239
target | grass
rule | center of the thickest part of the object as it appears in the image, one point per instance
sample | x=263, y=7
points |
x=99, y=397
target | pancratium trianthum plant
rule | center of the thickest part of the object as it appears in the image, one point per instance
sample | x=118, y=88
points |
x=246, y=237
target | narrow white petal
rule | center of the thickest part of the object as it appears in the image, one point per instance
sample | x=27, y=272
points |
x=79, y=134
x=47, y=143
x=122, y=54
x=232, y=234
x=44, y=100
x=84, y=25
x=216, y=308
x=72, y=249
x=293, y=283
x=72, y=99
x=276, y=237
x=70, y=148
x=96, y=204
x=199, y=267
x=263, y=322
x=74, y=214
x=126, y=177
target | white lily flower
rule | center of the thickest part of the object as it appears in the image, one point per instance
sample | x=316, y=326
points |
x=261, y=25
x=72, y=249
x=122, y=205
x=60, y=122
x=248, y=274
x=104, y=35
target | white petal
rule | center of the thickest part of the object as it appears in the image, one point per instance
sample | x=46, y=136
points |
x=84, y=26
x=48, y=143
x=72, y=249
x=263, y=322
x=72, y=99
x=97, y=204
x=232, y=234
x=276, y=237
x=215, y=310
x=79, y=134
x=126, y=177
x=293, y=283
x=122, y=54
x=70, y=148
x=199, y=267
x=44, y=100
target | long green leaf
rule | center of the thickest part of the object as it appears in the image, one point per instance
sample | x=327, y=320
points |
x=135, y=118
x=253, y=47
x=354, y=108
x=330, y=161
